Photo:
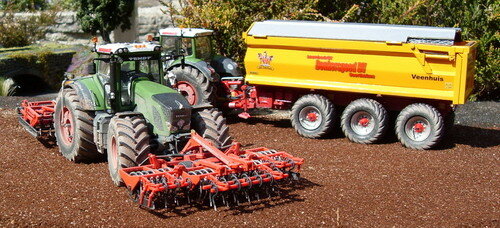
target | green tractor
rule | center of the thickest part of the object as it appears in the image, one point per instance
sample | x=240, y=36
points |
x=123, y=108
x=191, y=66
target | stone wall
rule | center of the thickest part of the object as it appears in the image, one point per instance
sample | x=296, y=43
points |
x=46, y=67
x=146, y=20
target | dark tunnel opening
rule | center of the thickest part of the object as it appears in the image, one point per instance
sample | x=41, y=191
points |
x=29, y=85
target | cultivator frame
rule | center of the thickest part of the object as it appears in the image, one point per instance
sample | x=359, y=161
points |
x=37, y=117
x=203, y=170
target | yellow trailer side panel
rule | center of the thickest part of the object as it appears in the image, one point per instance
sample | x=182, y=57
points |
x=399, y=69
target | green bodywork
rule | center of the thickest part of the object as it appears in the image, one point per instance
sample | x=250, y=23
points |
x=135, y=92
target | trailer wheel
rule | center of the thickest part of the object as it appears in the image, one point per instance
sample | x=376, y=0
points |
x=364, y=121
x=74, y=128
x=193, y=85
x=211, y=125
x=419, y=126
x=312, y=116
x=128, y=144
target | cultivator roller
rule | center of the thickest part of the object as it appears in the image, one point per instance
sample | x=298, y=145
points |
x=204, y=173
x=37, y=117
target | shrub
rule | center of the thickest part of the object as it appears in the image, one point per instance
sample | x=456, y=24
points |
x=23, y=30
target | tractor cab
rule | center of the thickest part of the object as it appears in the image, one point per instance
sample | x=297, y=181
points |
x=119, y=64
x=192, y=42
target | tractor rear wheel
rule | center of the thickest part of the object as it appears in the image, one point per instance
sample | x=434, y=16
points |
x=128, y=144
x=364, y=121
x=194, y=86
x=419, y=126
x=312, y=116
x=211, y=125
x=74, y=128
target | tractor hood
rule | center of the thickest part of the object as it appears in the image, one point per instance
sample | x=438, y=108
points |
x=167, y=111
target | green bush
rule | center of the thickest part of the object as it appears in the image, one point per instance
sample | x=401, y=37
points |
x=23, y=5
x=23, y=30
x=479, y=20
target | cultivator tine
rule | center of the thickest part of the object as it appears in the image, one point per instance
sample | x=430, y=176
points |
x=212, y=174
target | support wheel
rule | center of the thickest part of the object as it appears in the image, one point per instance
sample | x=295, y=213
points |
x=194, y=86
x=364, y=121
x=74, y=128
x=211, y=125
x=128, y=144
x=419, y=126
x=312, y=116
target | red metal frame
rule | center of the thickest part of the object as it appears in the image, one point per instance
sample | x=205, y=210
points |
x=37, y=117
x=210, y=170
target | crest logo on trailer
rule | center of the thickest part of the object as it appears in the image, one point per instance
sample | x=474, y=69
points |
x=265, y=61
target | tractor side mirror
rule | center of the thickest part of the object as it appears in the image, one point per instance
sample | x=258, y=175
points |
x=91, y=68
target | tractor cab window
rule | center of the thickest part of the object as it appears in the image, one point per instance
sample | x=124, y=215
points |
x=203, y=48
x=177, y=46
x=131, y=70
x=103, y=71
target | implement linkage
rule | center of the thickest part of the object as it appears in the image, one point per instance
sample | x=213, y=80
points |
x=201, y=171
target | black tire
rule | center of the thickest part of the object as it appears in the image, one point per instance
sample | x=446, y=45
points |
x=203, y=88
x=364, y=121
x=424, y=136
x=211, y=125
x=319, y=112
x=128, y=144
x=77, y=144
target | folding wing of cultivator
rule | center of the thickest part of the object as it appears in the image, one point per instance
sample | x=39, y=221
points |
x=37, y=117
x=202, y=172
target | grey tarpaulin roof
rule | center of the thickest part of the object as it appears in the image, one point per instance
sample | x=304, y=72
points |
x=352, y=31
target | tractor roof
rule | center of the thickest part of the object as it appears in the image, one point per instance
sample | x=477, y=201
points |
x=118, y=48
x=186, y=32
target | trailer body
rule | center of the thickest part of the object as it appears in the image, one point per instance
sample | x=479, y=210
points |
x=279, y=56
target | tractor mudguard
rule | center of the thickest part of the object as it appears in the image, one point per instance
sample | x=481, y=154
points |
x=90, y=101
x=225, y=66
x=202, y=66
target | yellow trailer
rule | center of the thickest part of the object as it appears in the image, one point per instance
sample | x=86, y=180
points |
x=422, y=72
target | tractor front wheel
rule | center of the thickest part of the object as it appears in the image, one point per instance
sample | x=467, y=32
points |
x=128, y=144
x=193, y=85
x=74, y=128
x=211, y=125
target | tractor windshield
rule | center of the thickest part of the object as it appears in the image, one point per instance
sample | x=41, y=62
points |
x=149, y=68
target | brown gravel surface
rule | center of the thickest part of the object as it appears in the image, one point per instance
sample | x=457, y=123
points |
x=344, y=184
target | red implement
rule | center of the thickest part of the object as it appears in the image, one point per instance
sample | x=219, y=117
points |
x=201, y=169
x=37, y=117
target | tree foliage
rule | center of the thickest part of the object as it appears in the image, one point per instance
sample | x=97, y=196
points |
x=104, y=16
x=23, y=5
x=479, y=20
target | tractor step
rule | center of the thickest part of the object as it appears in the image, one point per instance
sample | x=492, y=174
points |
x=37, y=117
x=206, y=173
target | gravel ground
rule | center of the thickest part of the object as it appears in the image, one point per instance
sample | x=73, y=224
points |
x=344, y=184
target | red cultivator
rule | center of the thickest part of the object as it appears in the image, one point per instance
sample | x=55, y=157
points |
x=203, y=171
x=37, y=117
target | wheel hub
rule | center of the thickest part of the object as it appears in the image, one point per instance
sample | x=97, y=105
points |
x=188, y=91
x=419, y=127
x=66, y=126
x=364, y=122
x=310, y=118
